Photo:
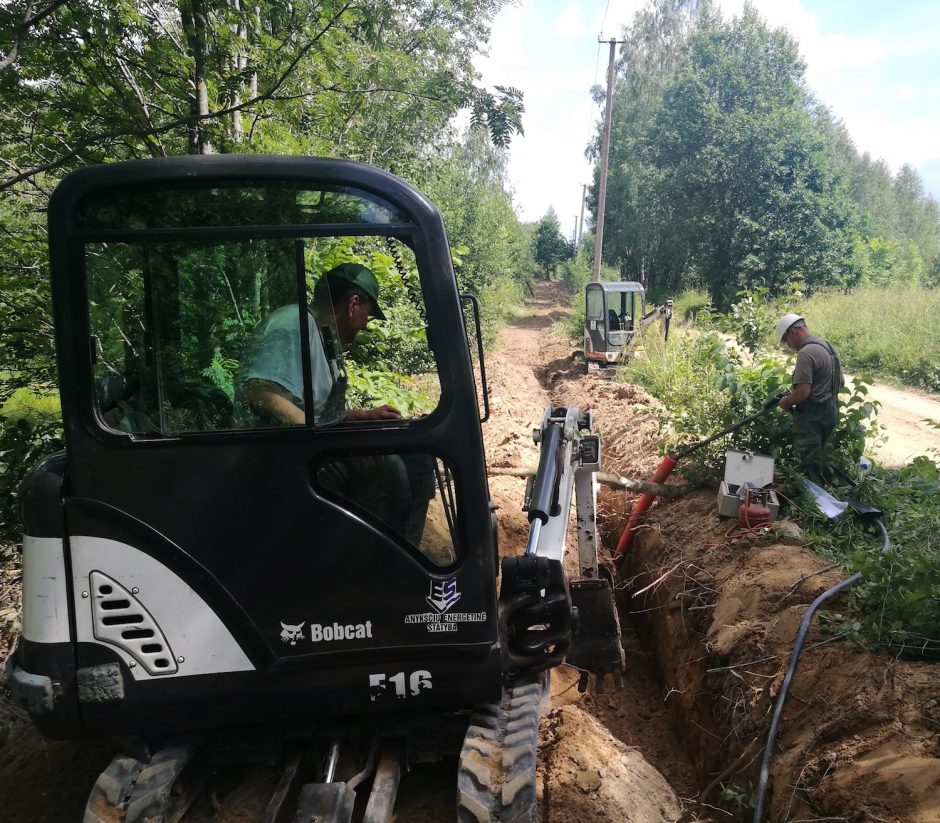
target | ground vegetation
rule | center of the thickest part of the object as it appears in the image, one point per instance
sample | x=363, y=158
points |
x=887, y=331
x=891, y=332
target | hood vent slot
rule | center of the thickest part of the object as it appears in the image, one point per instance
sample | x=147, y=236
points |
x=121, y=620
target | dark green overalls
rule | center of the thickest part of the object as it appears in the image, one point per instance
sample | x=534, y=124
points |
x=813, y=423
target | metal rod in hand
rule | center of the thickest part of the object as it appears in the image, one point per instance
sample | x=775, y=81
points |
x=683, y=453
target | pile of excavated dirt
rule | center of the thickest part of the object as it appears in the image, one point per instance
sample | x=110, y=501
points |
x=860, y=736
x=587, y=774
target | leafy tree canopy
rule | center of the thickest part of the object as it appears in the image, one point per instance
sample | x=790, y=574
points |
x=725, y=172
x=549, y=247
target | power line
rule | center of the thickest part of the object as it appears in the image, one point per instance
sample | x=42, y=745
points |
x=603, y=20
x=605, y=150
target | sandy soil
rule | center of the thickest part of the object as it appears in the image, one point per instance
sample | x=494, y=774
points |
x=903, y=414
x=707, y=644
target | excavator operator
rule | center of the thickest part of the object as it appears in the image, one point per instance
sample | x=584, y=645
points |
x=345, y=298
x=395, y=489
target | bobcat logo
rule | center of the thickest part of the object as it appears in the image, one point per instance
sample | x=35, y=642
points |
x=291, y=634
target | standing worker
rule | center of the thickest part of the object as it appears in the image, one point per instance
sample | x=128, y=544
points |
x=814, y=400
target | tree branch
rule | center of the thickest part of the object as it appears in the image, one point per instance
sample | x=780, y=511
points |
x=18, y=39
x=29, y=20
x=188, y=120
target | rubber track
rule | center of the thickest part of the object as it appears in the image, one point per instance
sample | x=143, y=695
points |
x=136, y=791
x=496, y=777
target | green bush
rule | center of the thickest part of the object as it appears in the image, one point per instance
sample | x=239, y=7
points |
x=500, y=300
x=895, y=606
x=30, y=430
x=576, y=274
x=706, y=388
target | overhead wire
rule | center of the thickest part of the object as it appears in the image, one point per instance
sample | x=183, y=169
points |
x=597, y=64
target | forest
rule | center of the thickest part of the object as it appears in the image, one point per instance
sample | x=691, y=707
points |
x=727, y=173
x=379, y=82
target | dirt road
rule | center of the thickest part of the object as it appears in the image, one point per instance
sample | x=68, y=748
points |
x=902, y=416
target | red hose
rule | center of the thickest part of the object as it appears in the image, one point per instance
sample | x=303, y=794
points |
x=643, y=503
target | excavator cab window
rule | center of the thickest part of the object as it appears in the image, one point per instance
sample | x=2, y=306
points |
x=182, y=324
x=595, y=304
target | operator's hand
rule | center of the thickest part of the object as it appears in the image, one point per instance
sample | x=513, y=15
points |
x=385, y=412
x=797, y=395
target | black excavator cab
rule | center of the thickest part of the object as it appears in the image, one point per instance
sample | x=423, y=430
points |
x=192, y=563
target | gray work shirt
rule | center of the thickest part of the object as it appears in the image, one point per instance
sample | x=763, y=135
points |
x=276, y=356
x=817, y=363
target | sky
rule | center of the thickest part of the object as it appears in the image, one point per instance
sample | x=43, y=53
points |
x=875, y=64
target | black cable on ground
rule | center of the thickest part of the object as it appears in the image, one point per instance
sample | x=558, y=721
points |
x=764, y=780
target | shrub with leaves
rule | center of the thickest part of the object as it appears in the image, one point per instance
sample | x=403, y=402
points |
x=705, y=387
x=896, y=605
x=30, y=430
x=693, y=305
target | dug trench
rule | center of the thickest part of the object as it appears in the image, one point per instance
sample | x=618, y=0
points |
x=708, y=624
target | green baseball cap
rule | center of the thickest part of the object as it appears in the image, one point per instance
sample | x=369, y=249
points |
x=362, y=278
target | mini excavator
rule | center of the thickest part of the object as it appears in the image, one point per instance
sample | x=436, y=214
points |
x=616, y=316
x=209, y=587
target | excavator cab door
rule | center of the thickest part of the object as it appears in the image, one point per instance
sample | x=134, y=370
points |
x=596, y=323
x=222, y=559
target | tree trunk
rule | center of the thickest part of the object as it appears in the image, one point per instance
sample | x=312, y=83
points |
x=195, y=26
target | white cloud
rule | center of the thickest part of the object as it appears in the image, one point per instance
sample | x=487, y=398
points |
x=825, y=53
x=906, y=93
x=898, y=140
x=506, y=57
x=570, y=25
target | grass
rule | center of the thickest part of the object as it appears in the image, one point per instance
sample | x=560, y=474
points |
x=690, y=303
x=890, y=332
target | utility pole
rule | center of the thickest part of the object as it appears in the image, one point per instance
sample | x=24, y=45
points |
x=605, y=150
x=581, y=227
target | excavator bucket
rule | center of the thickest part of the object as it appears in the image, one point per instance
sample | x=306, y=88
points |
x=595, y=646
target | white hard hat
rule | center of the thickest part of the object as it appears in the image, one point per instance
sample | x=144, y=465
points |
x=784, y=323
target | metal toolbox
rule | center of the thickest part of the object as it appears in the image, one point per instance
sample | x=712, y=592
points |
x=743, y=470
